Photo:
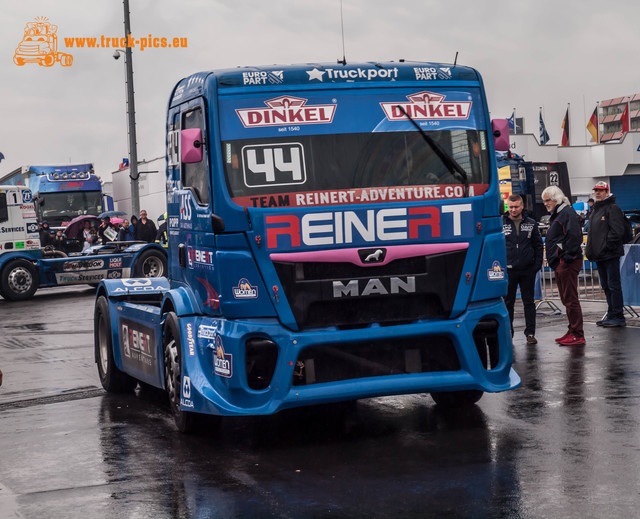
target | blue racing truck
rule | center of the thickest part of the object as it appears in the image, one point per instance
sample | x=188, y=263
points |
x=25, y=266
x=61, y=193
x=334, y=234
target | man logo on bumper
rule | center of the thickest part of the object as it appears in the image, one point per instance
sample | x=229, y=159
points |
x=372, y=255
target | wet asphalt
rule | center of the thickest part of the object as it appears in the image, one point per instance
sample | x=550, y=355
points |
x=566, y=444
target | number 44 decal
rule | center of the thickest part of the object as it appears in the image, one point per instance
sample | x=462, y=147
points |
x=274, y=164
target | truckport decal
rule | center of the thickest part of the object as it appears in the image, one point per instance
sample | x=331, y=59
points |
x=496, y=272
x=285, y=110
x=353, y=74
x=273, y=164
x=222, y=362
x=245, y=290
x=427, y=106
x=361, y=196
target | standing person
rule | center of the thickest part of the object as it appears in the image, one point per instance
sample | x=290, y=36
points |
x=524, y=259
x=605, y=246
x=161, y=235
x=45, y=235
x=126, y=232
x=145, y=229
x=564, y=255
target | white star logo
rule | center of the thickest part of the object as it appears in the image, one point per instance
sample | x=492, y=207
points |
x=315, y=74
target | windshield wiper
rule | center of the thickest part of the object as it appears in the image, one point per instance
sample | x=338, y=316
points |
x=451, y=163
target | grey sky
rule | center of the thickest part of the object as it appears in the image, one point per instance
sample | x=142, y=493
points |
x=530, y=53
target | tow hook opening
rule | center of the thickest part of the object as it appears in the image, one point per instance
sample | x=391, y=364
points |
x=261, y=357
x=485, y=336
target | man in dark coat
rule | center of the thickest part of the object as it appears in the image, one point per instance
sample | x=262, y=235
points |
x=605, y=246
x=145, y=229
x=564, y=255
x=524, y=259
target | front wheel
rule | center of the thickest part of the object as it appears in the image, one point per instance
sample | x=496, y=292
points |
x=151, y=264
x=457, y=398
x=19, y=280
x=111, y=378
x=172, y=346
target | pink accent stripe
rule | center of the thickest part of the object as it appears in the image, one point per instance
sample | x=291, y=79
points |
x=351, y=255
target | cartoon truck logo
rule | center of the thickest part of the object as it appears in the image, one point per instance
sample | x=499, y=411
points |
x=40, y=45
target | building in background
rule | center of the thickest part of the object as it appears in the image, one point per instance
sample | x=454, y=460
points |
x=614, y=122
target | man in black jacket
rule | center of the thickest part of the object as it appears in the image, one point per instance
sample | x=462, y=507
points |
x=605, y=246
x=145, y=229
x=524, y=259
x=563, y=245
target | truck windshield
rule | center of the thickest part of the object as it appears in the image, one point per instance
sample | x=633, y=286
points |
x=351, y=168
x=64, y=206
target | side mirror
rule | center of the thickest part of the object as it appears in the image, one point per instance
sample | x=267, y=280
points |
x=500, y=129
x=191, y=145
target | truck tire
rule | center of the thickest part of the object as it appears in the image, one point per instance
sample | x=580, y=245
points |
x=111, y=378
x=48, y=60
x=186, y=421
x=19, y=280
x=151, y=264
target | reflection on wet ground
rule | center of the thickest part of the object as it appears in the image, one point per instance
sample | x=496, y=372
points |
x=566, y=444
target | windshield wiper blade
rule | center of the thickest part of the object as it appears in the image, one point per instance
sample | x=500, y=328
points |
x=446, y=159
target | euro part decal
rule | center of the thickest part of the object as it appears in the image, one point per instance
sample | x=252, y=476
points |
x=286, y=110
x=426, y=105
x=137, y=343
x=222, y=362
x=496, y=272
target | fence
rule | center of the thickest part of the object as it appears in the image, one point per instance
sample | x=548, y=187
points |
x=589, y=288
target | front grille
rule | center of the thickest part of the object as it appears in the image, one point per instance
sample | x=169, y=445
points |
x=344, y=294
x=330, y=363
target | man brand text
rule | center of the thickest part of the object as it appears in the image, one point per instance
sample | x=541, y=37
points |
x=286, y=110
x=374, y=286
x=332, y=228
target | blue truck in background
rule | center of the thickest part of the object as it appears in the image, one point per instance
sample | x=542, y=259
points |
x=60, y=193
x=334, y=234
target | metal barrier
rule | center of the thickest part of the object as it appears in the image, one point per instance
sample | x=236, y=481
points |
x=589, y=288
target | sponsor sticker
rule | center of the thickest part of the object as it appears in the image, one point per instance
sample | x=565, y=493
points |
x=75, y=278
x=496, y=272
x=185, y=399
x=285, y=110
x=222, y=362
x=115, y=263
x=427, y=105
x=191, y=340
x=200, y=258
x=207, y=332
x=88, y=264
x=263, y=77
x=137, y=343
x=245, y=290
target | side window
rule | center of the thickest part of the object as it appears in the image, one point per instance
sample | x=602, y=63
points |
x=4, y=209
x=196, y=176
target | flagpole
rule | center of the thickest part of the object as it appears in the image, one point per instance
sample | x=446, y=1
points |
x=515, y=121
x=584, y=115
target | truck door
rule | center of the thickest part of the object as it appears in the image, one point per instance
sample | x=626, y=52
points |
x=191, y=209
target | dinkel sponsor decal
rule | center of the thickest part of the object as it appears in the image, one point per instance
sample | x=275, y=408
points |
x=137, y=344
x=286, y=110
x=427, y=106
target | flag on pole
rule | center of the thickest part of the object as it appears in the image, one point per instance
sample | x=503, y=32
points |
x=512, y=121
x=544, y=136
x=625, y=119
x=565, y=130
x=1, y=157
x=592, y=125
